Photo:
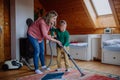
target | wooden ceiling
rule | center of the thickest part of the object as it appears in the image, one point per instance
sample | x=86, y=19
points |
x=74, y=12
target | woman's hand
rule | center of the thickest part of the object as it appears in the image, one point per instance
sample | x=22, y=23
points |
x=58, y=42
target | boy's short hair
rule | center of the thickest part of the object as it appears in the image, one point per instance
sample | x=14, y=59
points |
x=63, y=22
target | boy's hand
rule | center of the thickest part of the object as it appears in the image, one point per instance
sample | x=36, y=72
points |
x=59, y=43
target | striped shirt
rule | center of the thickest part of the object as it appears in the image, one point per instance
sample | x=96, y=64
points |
x=39, y=30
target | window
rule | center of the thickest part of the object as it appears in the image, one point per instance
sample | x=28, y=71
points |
x=101, y=7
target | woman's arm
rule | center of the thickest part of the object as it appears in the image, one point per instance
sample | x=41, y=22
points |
x=44, y=31
x=54, y=40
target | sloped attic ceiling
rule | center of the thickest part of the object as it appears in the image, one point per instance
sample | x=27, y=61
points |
x=73, y=12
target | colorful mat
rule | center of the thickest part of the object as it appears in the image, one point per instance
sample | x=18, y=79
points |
x=72, y=75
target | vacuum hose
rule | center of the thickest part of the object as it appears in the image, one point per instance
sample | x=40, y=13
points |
x=51, y=52
x=51, y=58
x=26, y=63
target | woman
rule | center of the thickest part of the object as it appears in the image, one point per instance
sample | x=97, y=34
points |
x=36, y=33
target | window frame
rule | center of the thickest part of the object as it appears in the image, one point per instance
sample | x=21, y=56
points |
x=96, y=10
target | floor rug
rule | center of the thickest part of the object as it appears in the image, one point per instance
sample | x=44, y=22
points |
x=72, y=75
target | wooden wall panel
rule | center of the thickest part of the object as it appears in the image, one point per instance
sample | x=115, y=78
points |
x=116, y=4
x=106, y=21
x=73, y=12
x=37, y=7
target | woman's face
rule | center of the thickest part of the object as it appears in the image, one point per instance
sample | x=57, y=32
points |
x=53, y=20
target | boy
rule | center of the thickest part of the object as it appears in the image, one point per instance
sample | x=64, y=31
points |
x=63, y=36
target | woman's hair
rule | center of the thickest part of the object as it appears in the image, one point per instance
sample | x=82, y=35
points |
x=63, y=22
x=50, y=15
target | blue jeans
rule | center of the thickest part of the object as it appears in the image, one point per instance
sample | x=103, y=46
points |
x=38, y=51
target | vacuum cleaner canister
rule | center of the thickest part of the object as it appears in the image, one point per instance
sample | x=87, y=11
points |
x=12, y=64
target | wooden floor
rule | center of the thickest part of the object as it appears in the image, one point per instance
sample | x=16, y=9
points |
x=94, y=65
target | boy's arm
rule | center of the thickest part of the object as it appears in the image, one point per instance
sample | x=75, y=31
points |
x=67, y=39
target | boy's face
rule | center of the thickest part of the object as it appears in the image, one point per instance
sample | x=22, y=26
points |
x=62, y=27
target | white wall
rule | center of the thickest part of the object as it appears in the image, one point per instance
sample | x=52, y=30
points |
x=20, y=11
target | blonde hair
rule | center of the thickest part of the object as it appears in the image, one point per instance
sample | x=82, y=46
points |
x=50, y=15
x=63, y=22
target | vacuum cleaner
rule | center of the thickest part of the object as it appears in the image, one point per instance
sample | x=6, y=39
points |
x=12, y=64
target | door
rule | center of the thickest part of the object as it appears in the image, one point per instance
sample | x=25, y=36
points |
x=5, y=52
x=1, y=31
x=7, y=35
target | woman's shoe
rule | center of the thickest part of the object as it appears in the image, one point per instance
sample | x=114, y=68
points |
x=38, y=71
x=45, y=68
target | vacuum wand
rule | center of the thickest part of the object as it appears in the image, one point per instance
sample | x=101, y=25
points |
x=82, y=74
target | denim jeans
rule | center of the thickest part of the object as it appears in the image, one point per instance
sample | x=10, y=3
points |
x=38, y=51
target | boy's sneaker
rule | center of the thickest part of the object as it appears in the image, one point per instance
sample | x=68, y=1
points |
x=48, y=69
x=45, y=68
x=38, y=71
x=59, y=69
x=67, y=70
